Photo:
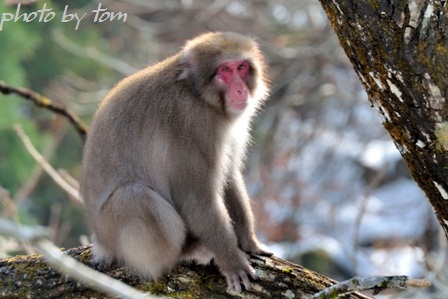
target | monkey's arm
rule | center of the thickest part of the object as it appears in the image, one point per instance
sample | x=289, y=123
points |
x=238, y=204
x=207, y=219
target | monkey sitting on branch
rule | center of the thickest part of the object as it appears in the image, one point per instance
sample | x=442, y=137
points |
x=162, y=179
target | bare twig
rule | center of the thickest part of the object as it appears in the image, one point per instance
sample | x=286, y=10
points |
x=93, y=53
x=374, y=183
x=42, y=101
x=37, y=236
x=10, y=209
x=375, y=283
x=33, y=178
x=45, y=165
x=68, y=178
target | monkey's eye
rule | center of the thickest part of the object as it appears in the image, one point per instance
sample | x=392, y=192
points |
x=243, y=66
x=225, y=68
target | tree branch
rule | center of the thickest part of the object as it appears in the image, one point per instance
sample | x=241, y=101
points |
x=377, y=284
x=398, y=50
x=24, y=276
x=42, y=101
x=72, y=191
x=37, y=236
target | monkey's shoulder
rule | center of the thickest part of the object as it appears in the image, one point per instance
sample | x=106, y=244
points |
x=154, y=80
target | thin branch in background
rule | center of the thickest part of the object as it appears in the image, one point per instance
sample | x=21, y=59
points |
x=374, y=183
x=42, y=101
x=45, y=165
x=68, y=178
x=93, y=53
x=435, y=272
x=10, y=208
x=37, y=236
x=10, y=211
x=437, y=265
x=376, y=283
x=61, y=227
x=33, y=178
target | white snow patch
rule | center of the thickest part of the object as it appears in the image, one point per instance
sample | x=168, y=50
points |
x=377, y=81
x=441, y=190
x=402, y=148
x=383, y=213
x=362, y=78
x=394, y=73
x=340, y=11
x=378, y=153
x=337, y=6
x=385, y=117
x=395, y=261
x=395, y=90
x=420, y=144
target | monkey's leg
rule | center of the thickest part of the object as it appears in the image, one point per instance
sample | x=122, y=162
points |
x=238, y=203
x=141, y=229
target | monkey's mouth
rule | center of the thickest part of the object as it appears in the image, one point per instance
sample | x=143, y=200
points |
x=238, y=105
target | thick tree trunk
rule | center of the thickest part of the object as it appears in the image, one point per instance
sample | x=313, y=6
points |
x=399, y=50
x=31, y=277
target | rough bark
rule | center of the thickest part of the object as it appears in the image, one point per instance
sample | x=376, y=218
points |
x=31, y=277
x=399, y=50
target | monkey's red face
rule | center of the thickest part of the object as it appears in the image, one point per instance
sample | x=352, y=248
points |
x=233, y=75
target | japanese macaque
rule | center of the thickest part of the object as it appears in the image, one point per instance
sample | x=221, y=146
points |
x=162, y=164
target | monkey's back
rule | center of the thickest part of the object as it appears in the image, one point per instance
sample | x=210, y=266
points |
x=146, y=130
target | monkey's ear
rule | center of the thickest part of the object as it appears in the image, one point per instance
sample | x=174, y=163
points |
x=187, y=61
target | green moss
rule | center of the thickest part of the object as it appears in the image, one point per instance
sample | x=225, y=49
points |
x=156, y=288
x=85, y=256
x=441, y=133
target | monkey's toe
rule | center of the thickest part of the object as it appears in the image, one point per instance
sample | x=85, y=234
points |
x=260, y=249
x=266, y=253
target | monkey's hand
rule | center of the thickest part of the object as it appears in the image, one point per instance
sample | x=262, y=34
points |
x=237, y=271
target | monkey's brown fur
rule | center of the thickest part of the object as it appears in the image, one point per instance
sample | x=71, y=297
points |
x=162, y=164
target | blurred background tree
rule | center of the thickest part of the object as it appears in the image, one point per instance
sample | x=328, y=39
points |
x=329, y=188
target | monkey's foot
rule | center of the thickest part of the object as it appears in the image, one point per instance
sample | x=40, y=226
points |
x=234, y=280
